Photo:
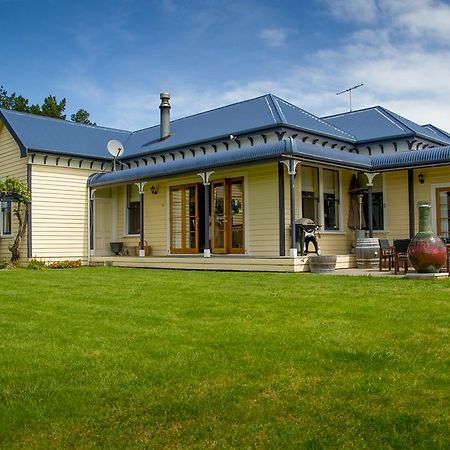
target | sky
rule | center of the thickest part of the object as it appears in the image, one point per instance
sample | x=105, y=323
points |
x=114, y=57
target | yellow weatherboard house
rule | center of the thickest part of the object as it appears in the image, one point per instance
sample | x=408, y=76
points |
x=223, y=189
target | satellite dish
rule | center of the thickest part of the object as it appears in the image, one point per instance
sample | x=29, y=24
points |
x=115, y=148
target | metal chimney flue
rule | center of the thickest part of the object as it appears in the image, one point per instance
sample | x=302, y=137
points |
x=165, y=115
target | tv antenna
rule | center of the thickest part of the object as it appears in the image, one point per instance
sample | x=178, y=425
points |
x=115, y=149
x=349, y=90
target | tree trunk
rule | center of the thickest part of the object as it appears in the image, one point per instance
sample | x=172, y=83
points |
x=21, y=213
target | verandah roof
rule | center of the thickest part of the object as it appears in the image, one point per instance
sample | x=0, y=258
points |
x=288, y=148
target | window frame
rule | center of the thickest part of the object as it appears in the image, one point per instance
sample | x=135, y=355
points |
x=2, y=218
x=321, y=193
x=127, y=212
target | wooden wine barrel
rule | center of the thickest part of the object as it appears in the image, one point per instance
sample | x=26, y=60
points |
x=367, y=253
x=322, y=264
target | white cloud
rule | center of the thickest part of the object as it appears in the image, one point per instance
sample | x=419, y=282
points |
x=353, y=10
x=273, y=37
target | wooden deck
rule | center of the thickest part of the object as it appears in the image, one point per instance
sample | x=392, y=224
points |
x=226, y=263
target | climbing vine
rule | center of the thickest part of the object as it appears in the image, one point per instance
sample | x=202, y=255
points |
x=14, y=188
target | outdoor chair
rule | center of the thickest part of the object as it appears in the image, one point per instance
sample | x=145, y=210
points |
x=401, y=254
x=386, y=254
x=447, y=243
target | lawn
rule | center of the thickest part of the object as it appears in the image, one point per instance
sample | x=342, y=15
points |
x=128, y=358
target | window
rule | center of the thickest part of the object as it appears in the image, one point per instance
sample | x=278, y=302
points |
x=6, y=218
x=377, y=202
x=330, y=199
x=320, y=196
x=133, y=209
x=310, y=193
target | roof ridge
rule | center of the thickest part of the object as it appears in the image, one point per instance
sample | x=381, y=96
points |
x=350, y=112
x=398, y=117
x=54, y=119
x=307, y=113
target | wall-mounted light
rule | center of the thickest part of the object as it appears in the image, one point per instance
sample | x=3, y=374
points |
x=421, y=178
x=154, y=190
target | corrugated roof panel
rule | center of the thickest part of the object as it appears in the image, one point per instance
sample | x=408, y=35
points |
x=258, y=153
x=233, y=156
x=417, y=158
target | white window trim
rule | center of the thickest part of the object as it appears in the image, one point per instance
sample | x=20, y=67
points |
x=126, y=234
x=2, y=233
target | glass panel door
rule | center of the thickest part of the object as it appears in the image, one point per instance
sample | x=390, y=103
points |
x=443, y=211
x=228, y=216
x=184, y=219
x=219, y=214
x=236, y=216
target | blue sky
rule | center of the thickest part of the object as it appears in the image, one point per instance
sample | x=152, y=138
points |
x=113, y=58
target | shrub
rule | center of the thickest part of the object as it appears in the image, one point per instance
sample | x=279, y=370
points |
x=36, y=264
x=67, y=264
x=3, y=263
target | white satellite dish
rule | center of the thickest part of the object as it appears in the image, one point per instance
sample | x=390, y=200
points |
x=115, y=148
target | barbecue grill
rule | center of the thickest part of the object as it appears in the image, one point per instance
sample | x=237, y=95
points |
x=306, y=231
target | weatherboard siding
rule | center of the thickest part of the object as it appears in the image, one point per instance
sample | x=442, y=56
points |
x=59, y=219
x=397, y=205
x=15, y=166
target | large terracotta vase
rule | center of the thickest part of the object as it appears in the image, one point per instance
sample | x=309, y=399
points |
x=427, y=252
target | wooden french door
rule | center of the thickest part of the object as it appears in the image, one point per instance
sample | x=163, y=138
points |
x=443, y=211
x=184, y=219
x=227, y=210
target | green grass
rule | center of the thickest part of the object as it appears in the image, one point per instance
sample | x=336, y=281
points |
x=128, y=358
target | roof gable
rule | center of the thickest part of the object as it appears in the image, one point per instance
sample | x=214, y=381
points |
x=33, y=132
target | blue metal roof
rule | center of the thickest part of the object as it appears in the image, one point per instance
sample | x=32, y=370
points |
x=258, y=153
x=275, y=151
x=440, y=134
x=378, y=123
x=296, y=117
x=417, y=158
x=265, y=113
x=59, y=136
x=262, y=113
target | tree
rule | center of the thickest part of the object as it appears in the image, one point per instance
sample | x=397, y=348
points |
x=13, y=187
x=81, y=116
x=51, y=107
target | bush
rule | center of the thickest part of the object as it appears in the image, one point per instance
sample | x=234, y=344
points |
x=65, y=264
x=3, y=263
x=36, y=264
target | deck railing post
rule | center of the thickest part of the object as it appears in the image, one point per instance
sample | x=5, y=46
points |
x=281, y=210
x=206, y=183
x=412, y=232
x=291, y=166
x=141, y=186
x=370, y=177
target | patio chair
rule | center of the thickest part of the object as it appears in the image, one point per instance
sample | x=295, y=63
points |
x=386, y=254
x=447, y=243
x=401, y=254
